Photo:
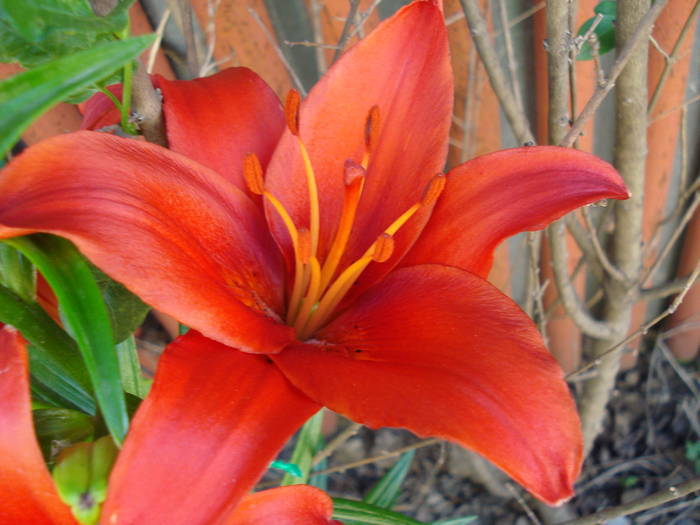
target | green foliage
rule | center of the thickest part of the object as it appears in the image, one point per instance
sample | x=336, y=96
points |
x=57, y=428
x=363, y=513
x=692, y=453
x=605, y=30
x=126, y=310
x=33, y=33
x=387, y=490
x=85, y=317
x=309, y=441
x=26, y=96
x=133, y=380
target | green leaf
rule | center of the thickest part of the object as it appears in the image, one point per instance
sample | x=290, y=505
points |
x=387, y=490
x=359, y=512
x=26, y=96
x=456, y=521
x=126, y=310
x=133, y=381
x=57, y=428
x=33, y=33
x=59, y=376
x=605, y=30
x=308, y=443
x=17, y=273
x=85, y=317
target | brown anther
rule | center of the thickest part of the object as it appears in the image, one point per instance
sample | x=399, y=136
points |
x=253, y=174
x=304, y=244
x=383, y=248
x=433, y=189
x=352, y=172
x=372, y=128
x=291, y=111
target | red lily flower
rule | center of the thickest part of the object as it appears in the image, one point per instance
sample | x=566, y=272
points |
x=222, y=459
x=358, y=271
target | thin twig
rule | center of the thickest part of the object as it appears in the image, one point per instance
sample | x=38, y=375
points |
x=315, y=15
x=345, y=34
x=153, y=53
x=510, y=56
x=337, y=441
x=397, y=452
x=640, y=35
x=657, y=498
x=280, y=54
x=516, y=118
x=673, y=57
x=644, y=329
x=662, y=291
x=602, y=257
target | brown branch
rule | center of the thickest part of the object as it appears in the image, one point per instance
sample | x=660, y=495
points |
x=641, y=34
x=516, y=118
x=657, y=498
x=148, y=107
x=345, y=34
x=673, y=57
x=336, y=442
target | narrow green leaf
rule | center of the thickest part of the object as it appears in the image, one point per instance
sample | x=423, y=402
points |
x=86, y=318
x=308, y=440
x=26, y=96
x=359, y=512
x=126, y=310
x=59, y=427
x=58, y=373
x=387, y=490
x=456, y=521
x=17, y=273
x=130, y=367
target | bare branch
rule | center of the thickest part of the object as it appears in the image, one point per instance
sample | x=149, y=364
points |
x=640, y=35
x=516, y=118
x=638, y=505
x=345, y=35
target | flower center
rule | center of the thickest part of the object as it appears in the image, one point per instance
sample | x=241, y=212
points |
x=319, y=287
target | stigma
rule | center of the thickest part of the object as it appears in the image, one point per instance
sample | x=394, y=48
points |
x=318, y=285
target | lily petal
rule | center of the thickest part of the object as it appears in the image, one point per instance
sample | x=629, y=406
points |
x=494, y=196
x=177, y=234
x=443, y=353
x=294, y=505
x=29, y=495
x=217, y=120
x=99, y=110
x=213, y=421
x=403, y=68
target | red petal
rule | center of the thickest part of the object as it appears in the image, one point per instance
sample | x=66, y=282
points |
x=443, y=353
x=294, y=505
x=28, y=493
x=217, y=120
x=176, y=233
x=213, y=421
x=403, y=67
x=99, y=110
x=494, y=196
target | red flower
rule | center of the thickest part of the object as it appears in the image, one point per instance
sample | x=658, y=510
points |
x=404, y=330
x=237, y=444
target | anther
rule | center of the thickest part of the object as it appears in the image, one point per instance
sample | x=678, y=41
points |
x=352, y=171
x=383, y=248
x=253, y=174
x=372, y=128
x=433, y=189
x=291, y=111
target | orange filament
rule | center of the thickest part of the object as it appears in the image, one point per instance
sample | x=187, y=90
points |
x=354, y=182
x=314, y=215
x=312, y=295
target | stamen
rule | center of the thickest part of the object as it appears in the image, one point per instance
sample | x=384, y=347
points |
x=314, y=215
x=302, y=253
x=383, y=248
x=371, y=134
x=434, y=189
x=312, y=295
x=253, y=174
x=291, y=111
x=354, y=182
